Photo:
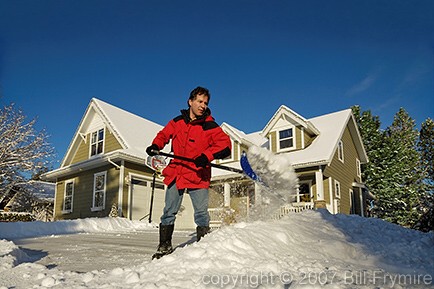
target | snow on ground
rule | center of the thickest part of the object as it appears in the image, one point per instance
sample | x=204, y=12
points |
x=312, y=249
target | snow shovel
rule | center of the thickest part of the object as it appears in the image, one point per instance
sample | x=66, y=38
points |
x=246, y=168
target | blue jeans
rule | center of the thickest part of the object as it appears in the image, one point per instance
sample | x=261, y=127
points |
x=199, y=198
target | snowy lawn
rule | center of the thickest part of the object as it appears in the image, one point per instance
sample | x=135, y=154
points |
x=312, y=249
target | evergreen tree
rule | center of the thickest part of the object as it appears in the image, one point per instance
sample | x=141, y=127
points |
x=392, y=173
x=426, y=151
x=398, y=200
x=373, y=139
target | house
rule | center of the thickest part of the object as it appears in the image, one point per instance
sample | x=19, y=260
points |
x=105, y=166
x=326, y=152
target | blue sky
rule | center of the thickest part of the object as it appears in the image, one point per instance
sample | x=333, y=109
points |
x=315, y=57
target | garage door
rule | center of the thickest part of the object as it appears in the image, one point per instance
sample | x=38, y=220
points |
x=141, y=191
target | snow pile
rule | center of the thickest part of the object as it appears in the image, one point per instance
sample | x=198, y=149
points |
x=312, y=249
x=34, y=229
x=278, y=178
x=10, y=255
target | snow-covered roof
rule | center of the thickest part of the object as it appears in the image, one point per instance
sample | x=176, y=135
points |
x=253, y=138
x=133, y=132
x=329, y=129
x=321, y=151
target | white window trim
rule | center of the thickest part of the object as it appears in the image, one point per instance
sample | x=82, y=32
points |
x=232, y=158
x=95, y=209
x=337, y=203
x=278, y=139
x=341, y=151
x=65, y=211
x=90, y=142
x=358, y=168
x=337, y=189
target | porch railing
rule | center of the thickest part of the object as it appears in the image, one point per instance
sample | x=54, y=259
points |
x=217, y=215
x=294, y=208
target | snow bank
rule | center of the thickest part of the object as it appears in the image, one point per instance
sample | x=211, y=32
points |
x=34, y=229
x=312, y=249
x=10, y=255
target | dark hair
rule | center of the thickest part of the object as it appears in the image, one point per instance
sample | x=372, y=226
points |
x=199, y=90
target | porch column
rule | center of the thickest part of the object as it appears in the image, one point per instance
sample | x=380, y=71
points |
x=227, y=195
x=258, y=198
x=121, y=188
x=362, y=204
x=319, y=202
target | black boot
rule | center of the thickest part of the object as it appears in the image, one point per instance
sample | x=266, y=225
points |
x=165, y=246
x=201, y=231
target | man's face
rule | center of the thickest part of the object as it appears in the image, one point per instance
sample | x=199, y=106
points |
x=198, y=105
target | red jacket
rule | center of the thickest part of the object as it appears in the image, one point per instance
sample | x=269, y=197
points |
x=191, y=139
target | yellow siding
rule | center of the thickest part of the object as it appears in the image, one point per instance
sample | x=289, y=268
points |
x=83, y=194
x=308, y=139
x=273, y=141
x=298, y=138
x=345, y=172
x=327, y=191
x=235, y=151
x=111, y=143
x=58, y=205
x=82, y=153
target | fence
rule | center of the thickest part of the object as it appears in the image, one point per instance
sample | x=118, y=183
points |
x=218, y=216
x=293, y=208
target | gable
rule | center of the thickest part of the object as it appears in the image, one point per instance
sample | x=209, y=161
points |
x=119, y=134
x=92, y=121
x=322, y=149
x=286, y=115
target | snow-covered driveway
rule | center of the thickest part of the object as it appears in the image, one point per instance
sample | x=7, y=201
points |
x=86, y=252
x=312, y=249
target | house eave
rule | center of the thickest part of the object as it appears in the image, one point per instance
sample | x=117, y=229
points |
x=310, y=164
x=90, y=164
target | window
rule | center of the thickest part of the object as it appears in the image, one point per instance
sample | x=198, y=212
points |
x=99, y=189
x=341, y=151
x=97, y=142
x=286, y=138
x=68, y=197
x=337, y=189
x=358, y=168
x=304, y=194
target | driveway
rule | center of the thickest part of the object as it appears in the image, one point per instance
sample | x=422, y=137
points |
x=97, y=251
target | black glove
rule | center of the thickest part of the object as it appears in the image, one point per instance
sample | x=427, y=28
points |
x=201, y=161
x=151, y=148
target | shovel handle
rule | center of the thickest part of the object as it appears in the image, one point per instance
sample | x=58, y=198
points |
x=192, y=160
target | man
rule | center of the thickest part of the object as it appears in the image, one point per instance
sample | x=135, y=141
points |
x=195, y=135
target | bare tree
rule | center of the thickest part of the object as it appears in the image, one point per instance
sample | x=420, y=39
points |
x=23, y=150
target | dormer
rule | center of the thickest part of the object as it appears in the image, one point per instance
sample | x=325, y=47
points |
x=241, y=142
x=288, y=131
